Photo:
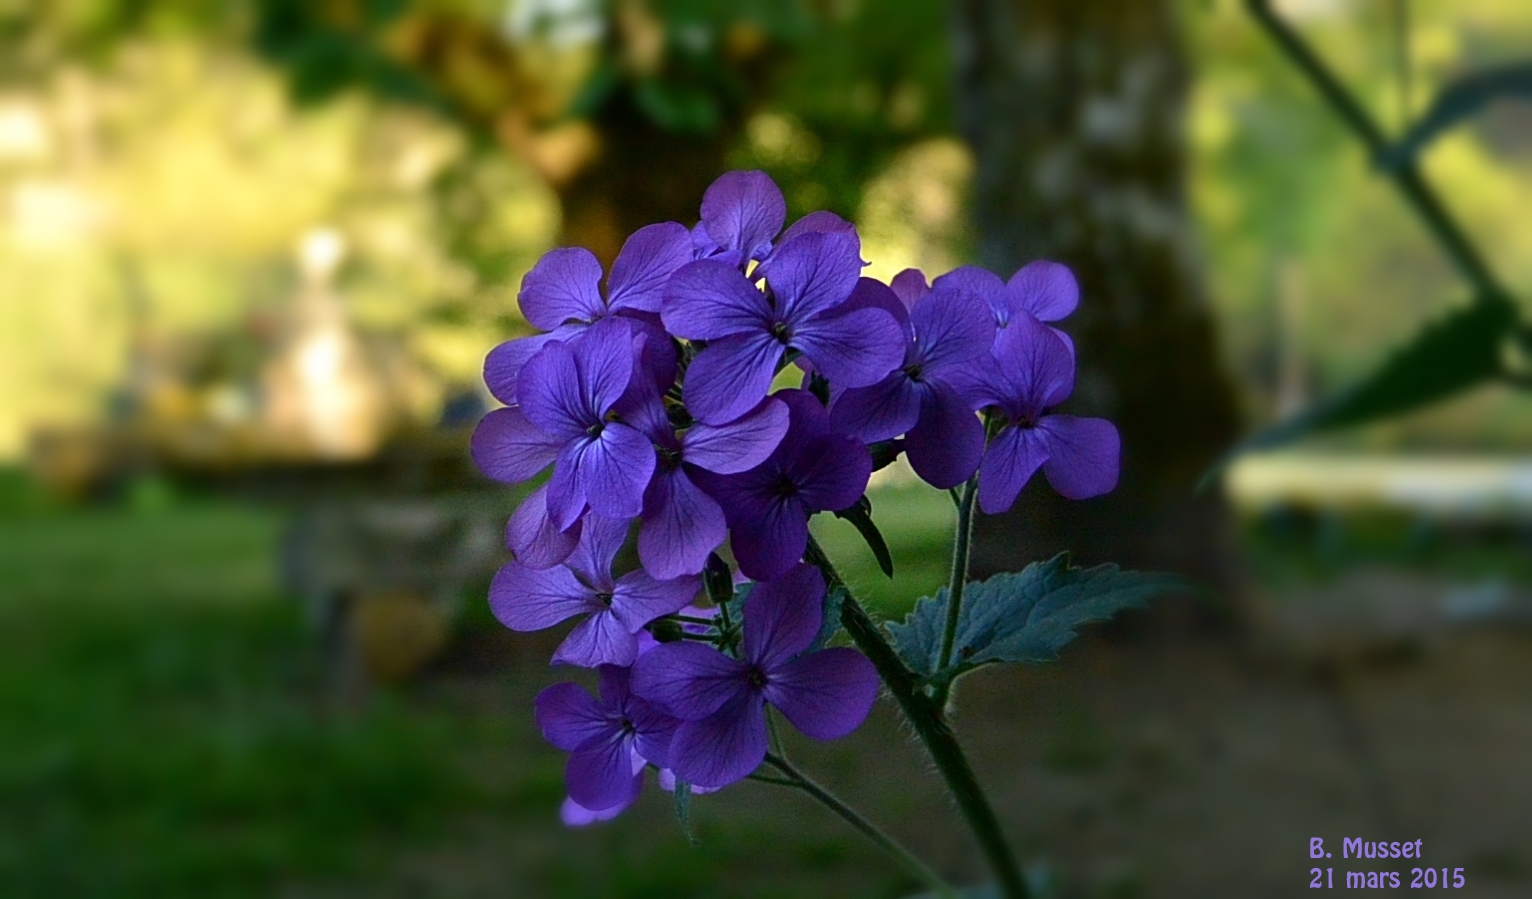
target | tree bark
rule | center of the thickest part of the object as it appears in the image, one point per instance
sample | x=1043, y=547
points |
x=1074, y=112
x=641, y=174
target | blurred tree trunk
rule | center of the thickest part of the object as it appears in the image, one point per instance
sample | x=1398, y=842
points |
x=1074, y=110
x=639, y=174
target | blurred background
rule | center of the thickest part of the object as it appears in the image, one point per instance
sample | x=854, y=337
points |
x=252, y=255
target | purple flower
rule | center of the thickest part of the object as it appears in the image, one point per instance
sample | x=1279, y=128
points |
x=609, y=741
x=566, y=392
x=949, y=331
x=741, y=215
x=1033, y=371
x=813, y=469
x=722, y=701
x=680, y=523
x=561, y=295
x=530, y=599
x=1046, y=290
x=748, y=331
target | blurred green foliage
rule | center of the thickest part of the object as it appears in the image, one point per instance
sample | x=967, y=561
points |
x=1316, y=263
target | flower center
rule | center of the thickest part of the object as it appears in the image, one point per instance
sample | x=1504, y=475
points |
x=780, y=331
x=606, y=598
x=785, y=487
x=756, y=678
x=913, y=371
x=596, y=429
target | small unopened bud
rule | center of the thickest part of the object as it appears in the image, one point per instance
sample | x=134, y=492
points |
x=666, y=630
x=718, y=579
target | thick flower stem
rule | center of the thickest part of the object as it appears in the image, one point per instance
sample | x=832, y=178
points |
x=912, y=865
x=926, y=717
x=961, y=542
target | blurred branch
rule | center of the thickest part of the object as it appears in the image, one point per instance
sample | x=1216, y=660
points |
x=1406, y=176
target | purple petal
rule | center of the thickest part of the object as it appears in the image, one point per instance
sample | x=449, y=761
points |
x=550, y=392
x=507, y=447
x=639, y=598
x=612, y=470
x=818, y=222
x=946, y=445
x=563, y=286
x=503, y=365
x=909, y=285
x=569, y=716
x=600, y=639
x=874, y=294
x=730, y=376
x=600, y=540
x=706, y=300
x=852, y=350
x=1083, y=455
x=825, y=694
x=952, y=327
x=689, y=680
x=601, y=774
x=740, y=445
x=531, y=536
x=656, y=354
x=831, y=472
x=880, y=412
x=566, y=501
x=807, y=416
x=615, y=685
x=605, y=358
x=528, y=599
x=646, y=262
x=980, y=282
x=1034, y=370
x=573, y=814
x=812, y=274
x=769, y=542
x=870, y=293
x=667, y=779
x=1046, y=289
x=680, y=526
x=724, y=747
x=653, y=731
x=782, y=616
x=743, y=211
x=1011, y=460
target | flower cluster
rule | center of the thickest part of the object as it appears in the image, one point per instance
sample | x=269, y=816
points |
x=652, y=402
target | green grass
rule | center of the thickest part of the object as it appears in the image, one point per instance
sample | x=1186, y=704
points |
x=163, y=733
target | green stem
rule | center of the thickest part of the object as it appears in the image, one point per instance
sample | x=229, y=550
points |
x=960, y=552
x=926, y=718
x=912, y=865
x=1406, y=175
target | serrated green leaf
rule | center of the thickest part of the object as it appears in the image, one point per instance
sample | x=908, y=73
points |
x=1460, y=351
x=860, y=516
x=1457, y=102
x=1027, y=616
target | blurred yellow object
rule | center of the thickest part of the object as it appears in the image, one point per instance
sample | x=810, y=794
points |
x=397, y=634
